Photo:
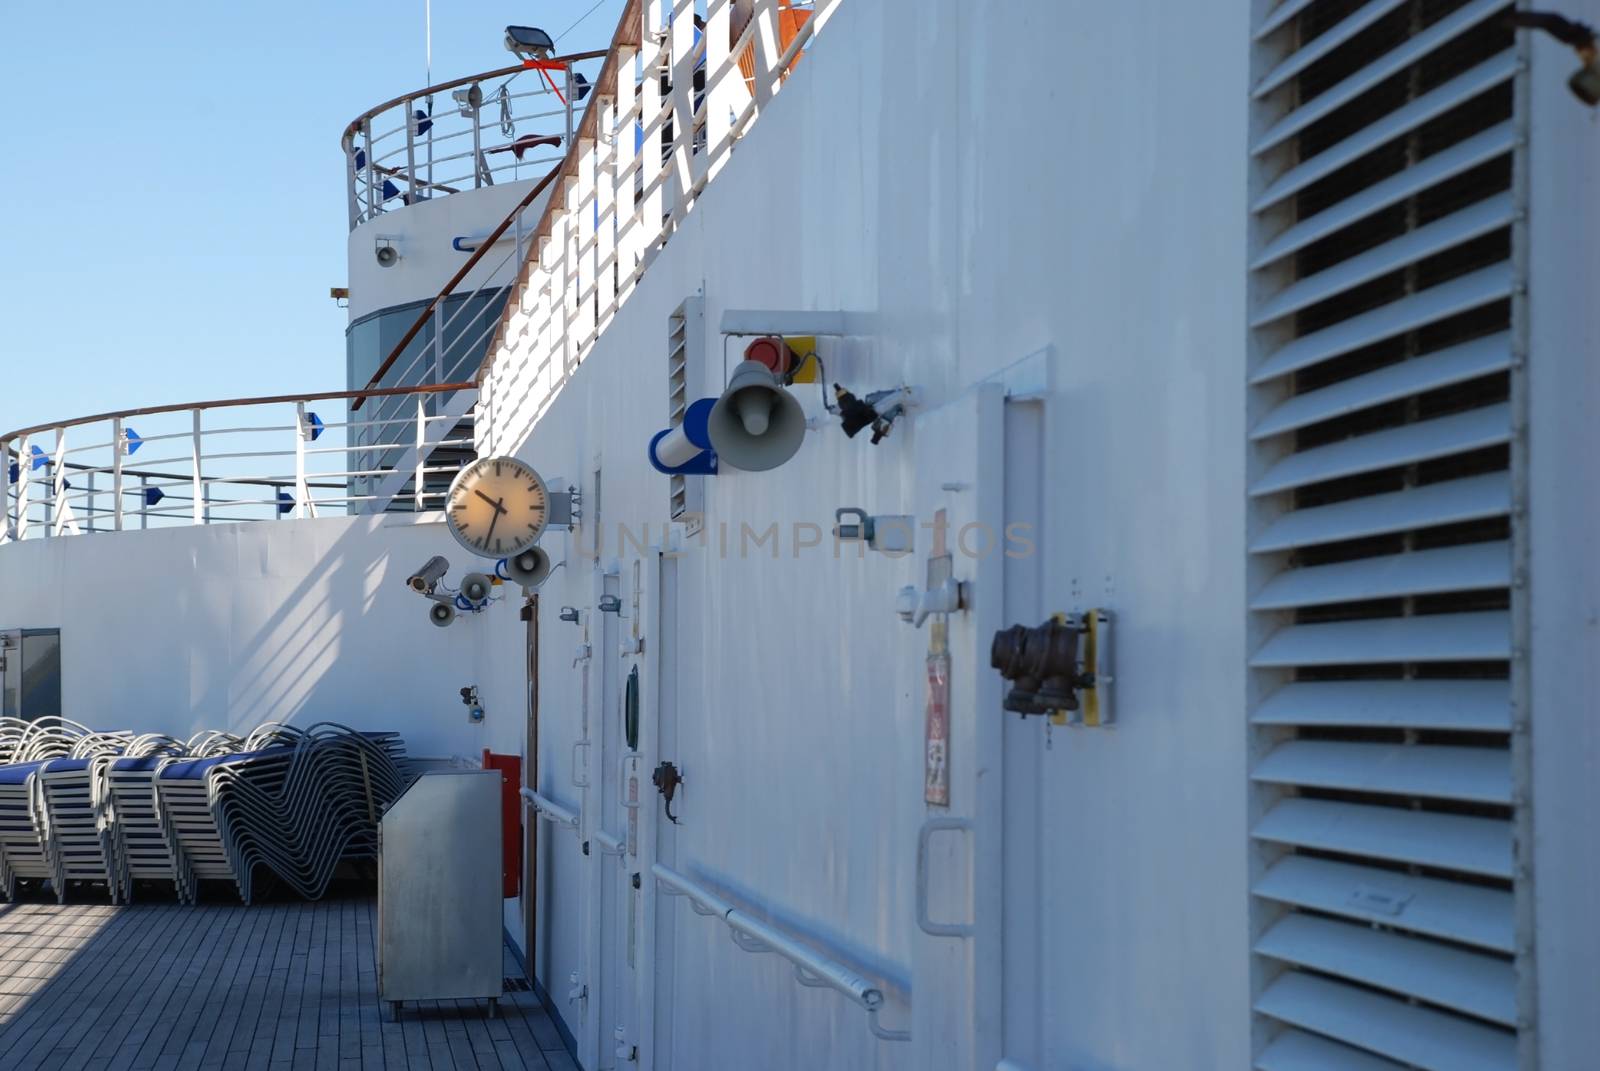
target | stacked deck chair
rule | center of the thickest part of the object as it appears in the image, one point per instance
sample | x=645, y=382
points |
x=128, y=819
x=24, y=832
x=298, y=802
x=70, y=804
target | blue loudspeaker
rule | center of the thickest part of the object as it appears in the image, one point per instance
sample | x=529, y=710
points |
x=686, y=449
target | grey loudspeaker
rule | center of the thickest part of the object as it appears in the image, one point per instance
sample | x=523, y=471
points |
x=529, y=569
x=756, y=425
x=442, y=614
x=475, y=586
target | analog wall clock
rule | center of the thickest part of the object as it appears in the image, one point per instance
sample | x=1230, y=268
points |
x=497, y=507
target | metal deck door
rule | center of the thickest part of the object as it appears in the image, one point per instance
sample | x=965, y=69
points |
x=609, y=828
x=960, y=536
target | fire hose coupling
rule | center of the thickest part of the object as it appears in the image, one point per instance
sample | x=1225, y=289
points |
x=1061, y=668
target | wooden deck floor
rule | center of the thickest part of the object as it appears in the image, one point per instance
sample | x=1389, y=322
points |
x=277, y=985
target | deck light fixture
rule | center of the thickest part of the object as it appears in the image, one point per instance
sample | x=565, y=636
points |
x=1585, y=81
x=529, y=42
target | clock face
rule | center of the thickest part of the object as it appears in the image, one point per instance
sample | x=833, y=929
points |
x=497, y=507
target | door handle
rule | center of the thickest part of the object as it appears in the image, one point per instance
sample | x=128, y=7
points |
x=924, y=836
x=583, y=781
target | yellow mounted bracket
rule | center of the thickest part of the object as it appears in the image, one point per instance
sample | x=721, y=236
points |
x=1094, y=667
x=806, y=347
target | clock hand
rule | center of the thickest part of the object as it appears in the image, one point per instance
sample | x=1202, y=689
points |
x=492, y=522
x=499, y=507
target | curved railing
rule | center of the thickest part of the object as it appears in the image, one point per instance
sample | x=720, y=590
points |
x=499, y=126
x=678, y=91
x=239, y=459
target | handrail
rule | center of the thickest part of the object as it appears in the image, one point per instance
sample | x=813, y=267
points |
x=433, y=388
x=550, y=812
x=455, y=280
x=812, y=967
x=355, y=124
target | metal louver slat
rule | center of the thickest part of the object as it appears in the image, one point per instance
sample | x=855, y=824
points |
x=1448, y=502
x=1324, y=43
x=1478, y=706
x=1403, y=120
x=1457, y=364
x=1440, y=167
x=1434, y=1040
x=1295, y=1050
x=1418, y=310
x=1467, y=914
x=1467, y=567
x=1453, y=978
x=1427, y=838
x=1390, y=63
x=1471, y=637
x=1482, y=774
x=1281, y=15
x=1471, y=222
x=1408, y=444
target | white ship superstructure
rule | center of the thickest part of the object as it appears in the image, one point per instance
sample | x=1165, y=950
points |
x=1067, y=533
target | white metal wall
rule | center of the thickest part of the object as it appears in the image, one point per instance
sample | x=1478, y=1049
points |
x=226, y=626
x=1009, y=194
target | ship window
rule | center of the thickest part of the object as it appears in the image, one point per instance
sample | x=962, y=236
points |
x=30, y=673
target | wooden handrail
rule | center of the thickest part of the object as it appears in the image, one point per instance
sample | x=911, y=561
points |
x=434, y=388
x=455, y=280
x=355, y=124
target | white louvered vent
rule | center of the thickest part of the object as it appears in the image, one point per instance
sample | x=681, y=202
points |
x=684, y=335
x=1382, y=291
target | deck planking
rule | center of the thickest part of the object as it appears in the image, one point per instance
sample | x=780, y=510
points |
x=157, y=986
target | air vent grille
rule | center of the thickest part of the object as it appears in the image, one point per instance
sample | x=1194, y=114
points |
x=1382, y=292
x=685, y=346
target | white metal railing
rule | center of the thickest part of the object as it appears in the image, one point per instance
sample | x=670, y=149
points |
x=498, y=126
x=811, y=967
x=667, y=109
x=243, y=459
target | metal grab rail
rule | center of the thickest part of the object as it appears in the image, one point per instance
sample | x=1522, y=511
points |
x=812, y=968
x=550, y=811
x=688, y=83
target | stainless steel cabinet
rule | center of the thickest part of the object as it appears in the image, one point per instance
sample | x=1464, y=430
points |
x=439, y=897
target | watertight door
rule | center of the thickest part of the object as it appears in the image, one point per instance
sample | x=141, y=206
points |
x=961, y=542
x=610, y=977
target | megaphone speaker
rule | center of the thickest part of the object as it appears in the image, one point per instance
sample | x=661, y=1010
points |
x=442, y=614
x=757, y=424
x=529, y=569
x=475, y=586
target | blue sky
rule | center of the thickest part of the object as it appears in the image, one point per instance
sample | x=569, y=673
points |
x=172, y=186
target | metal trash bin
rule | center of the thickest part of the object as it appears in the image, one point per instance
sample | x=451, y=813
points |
x=439, y=905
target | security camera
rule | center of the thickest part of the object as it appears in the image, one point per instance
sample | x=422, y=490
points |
x=388, y=256
x=424, y=580
x=878, y=410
